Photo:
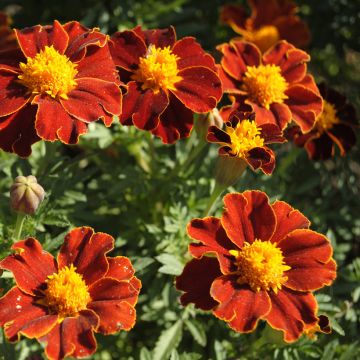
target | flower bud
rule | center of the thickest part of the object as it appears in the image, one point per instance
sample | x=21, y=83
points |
x=228, y=170
x=26, y=194
x=212, y=118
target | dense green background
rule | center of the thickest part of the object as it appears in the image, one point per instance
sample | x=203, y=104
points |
x=120, y=181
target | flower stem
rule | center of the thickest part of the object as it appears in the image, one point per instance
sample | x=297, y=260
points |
x=18, y=226
x=218, y=189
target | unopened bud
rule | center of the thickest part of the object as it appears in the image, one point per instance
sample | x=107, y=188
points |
x=26, y=194
x=212, y=118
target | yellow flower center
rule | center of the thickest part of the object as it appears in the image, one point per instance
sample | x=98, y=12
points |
x=158, y=69
x=261, y=265
x=327, y=119
x=265, y=84
x=49, y=73
x=244, y=137
x=66, y=292
x=264, y=38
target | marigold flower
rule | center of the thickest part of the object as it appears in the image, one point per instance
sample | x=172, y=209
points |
x=167, y=80
x=275, y=85
x=63, y=302
x=242, y=138
x=270, y=21
x=266, y=264
x=333, y=127
x=61, y=79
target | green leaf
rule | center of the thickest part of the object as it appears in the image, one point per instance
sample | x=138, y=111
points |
x=197, y=331
x=145, y=354
x=171, y=265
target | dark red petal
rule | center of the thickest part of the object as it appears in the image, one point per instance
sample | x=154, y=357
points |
x=34, y=39
x=262, y=158
x=196, y=280
x=87, y=251
x=239, y=305
x=17, y=131
x=126, y=49
x=159, y=37
x=271, y=133
x=287, y=220
x=191, y=53
x=234, y=15
x=320, y=148
x=73, y=337
x=291, y=311
x=309, y=82
x=120, y=268
x=53, y=122
x=213, y=239
x=229, y=84
x=18, y=312
x=143, y=107
x=343, y=136
x=93, y=99
x=232, y=63
x=175, y=123
x=248, y=216
x=216, y=135
x=200, y=88
x=30, y=265
x=249, y=52
x=294, y=30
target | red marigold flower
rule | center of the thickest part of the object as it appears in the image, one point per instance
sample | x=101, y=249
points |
x=61, y=79
x=270, y=21
x=243, y=139
x=167, y=80
x=63, y=302
x=333, y=127
x=267, y=264
x=275, y=85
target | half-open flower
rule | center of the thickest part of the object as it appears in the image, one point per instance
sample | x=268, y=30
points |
x=167, y=80
x=264, y=263
x=61, y=79
x=242, y=138
x=334, y=127
x=270, y=21
x=276, y=85
x=63, y=302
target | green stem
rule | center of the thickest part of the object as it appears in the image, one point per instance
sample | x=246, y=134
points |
x=218, y=189
x=18, y=226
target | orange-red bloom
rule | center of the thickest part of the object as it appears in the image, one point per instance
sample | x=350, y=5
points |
x=167, y=80
x=63, y=302
x=243, y=139
x=61, y=79
x=266, y=262
x=276, y=85
x=270, y=21
x=333, y=127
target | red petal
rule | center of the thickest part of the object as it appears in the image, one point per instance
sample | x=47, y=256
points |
x=87, y=251
x=34, y=39
x=291, y=311
x=192, y=54
x=213, y=239
x=216, y=135
x=93, y=99
x=248, y=216
x=143, y=107
x=19, y=313
x=53, y=122
x=120, y=268
x=343, y=136
x=30, y=265
x=196, y=280
x=232, y=62
x=229, y=84
x=158, y=37
x=294, y=30
x=249, y=52
x=321, y=148
x=235, y=16
x=200, y=88
x=126, y=49
x=287, y=220
x=239, y=306
x=262, y=158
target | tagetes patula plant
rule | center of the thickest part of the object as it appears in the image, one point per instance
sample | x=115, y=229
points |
x=244, y=140
x=63, y=78
x=333, y=128
x=276, y=85
x=63, y=302
x=270, y=21
x=258, y=261
x=166, y=81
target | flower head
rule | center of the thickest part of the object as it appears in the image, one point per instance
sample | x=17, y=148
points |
x=275, y=85
x=166, y=81
x=334, y=127
x=267, y=263
x=63, y=302
x=270, y=21
x=60, y=78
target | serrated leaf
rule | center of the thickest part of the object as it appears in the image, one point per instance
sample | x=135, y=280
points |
x=197, y=331
x=145, y=354
x=171, y=265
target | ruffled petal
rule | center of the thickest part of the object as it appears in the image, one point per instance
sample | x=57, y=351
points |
x=320, y=148
x=230, y=85
x=248, y=216
x=291, y=312
x=120, y=268
x=235, y=16
x=160, y=38
x=294, y=30
x=87, y=251
x=239, y=306
x=262, y=158
x=232, y=63
x=196, y=280
x=343, y=136
x=30, y=265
